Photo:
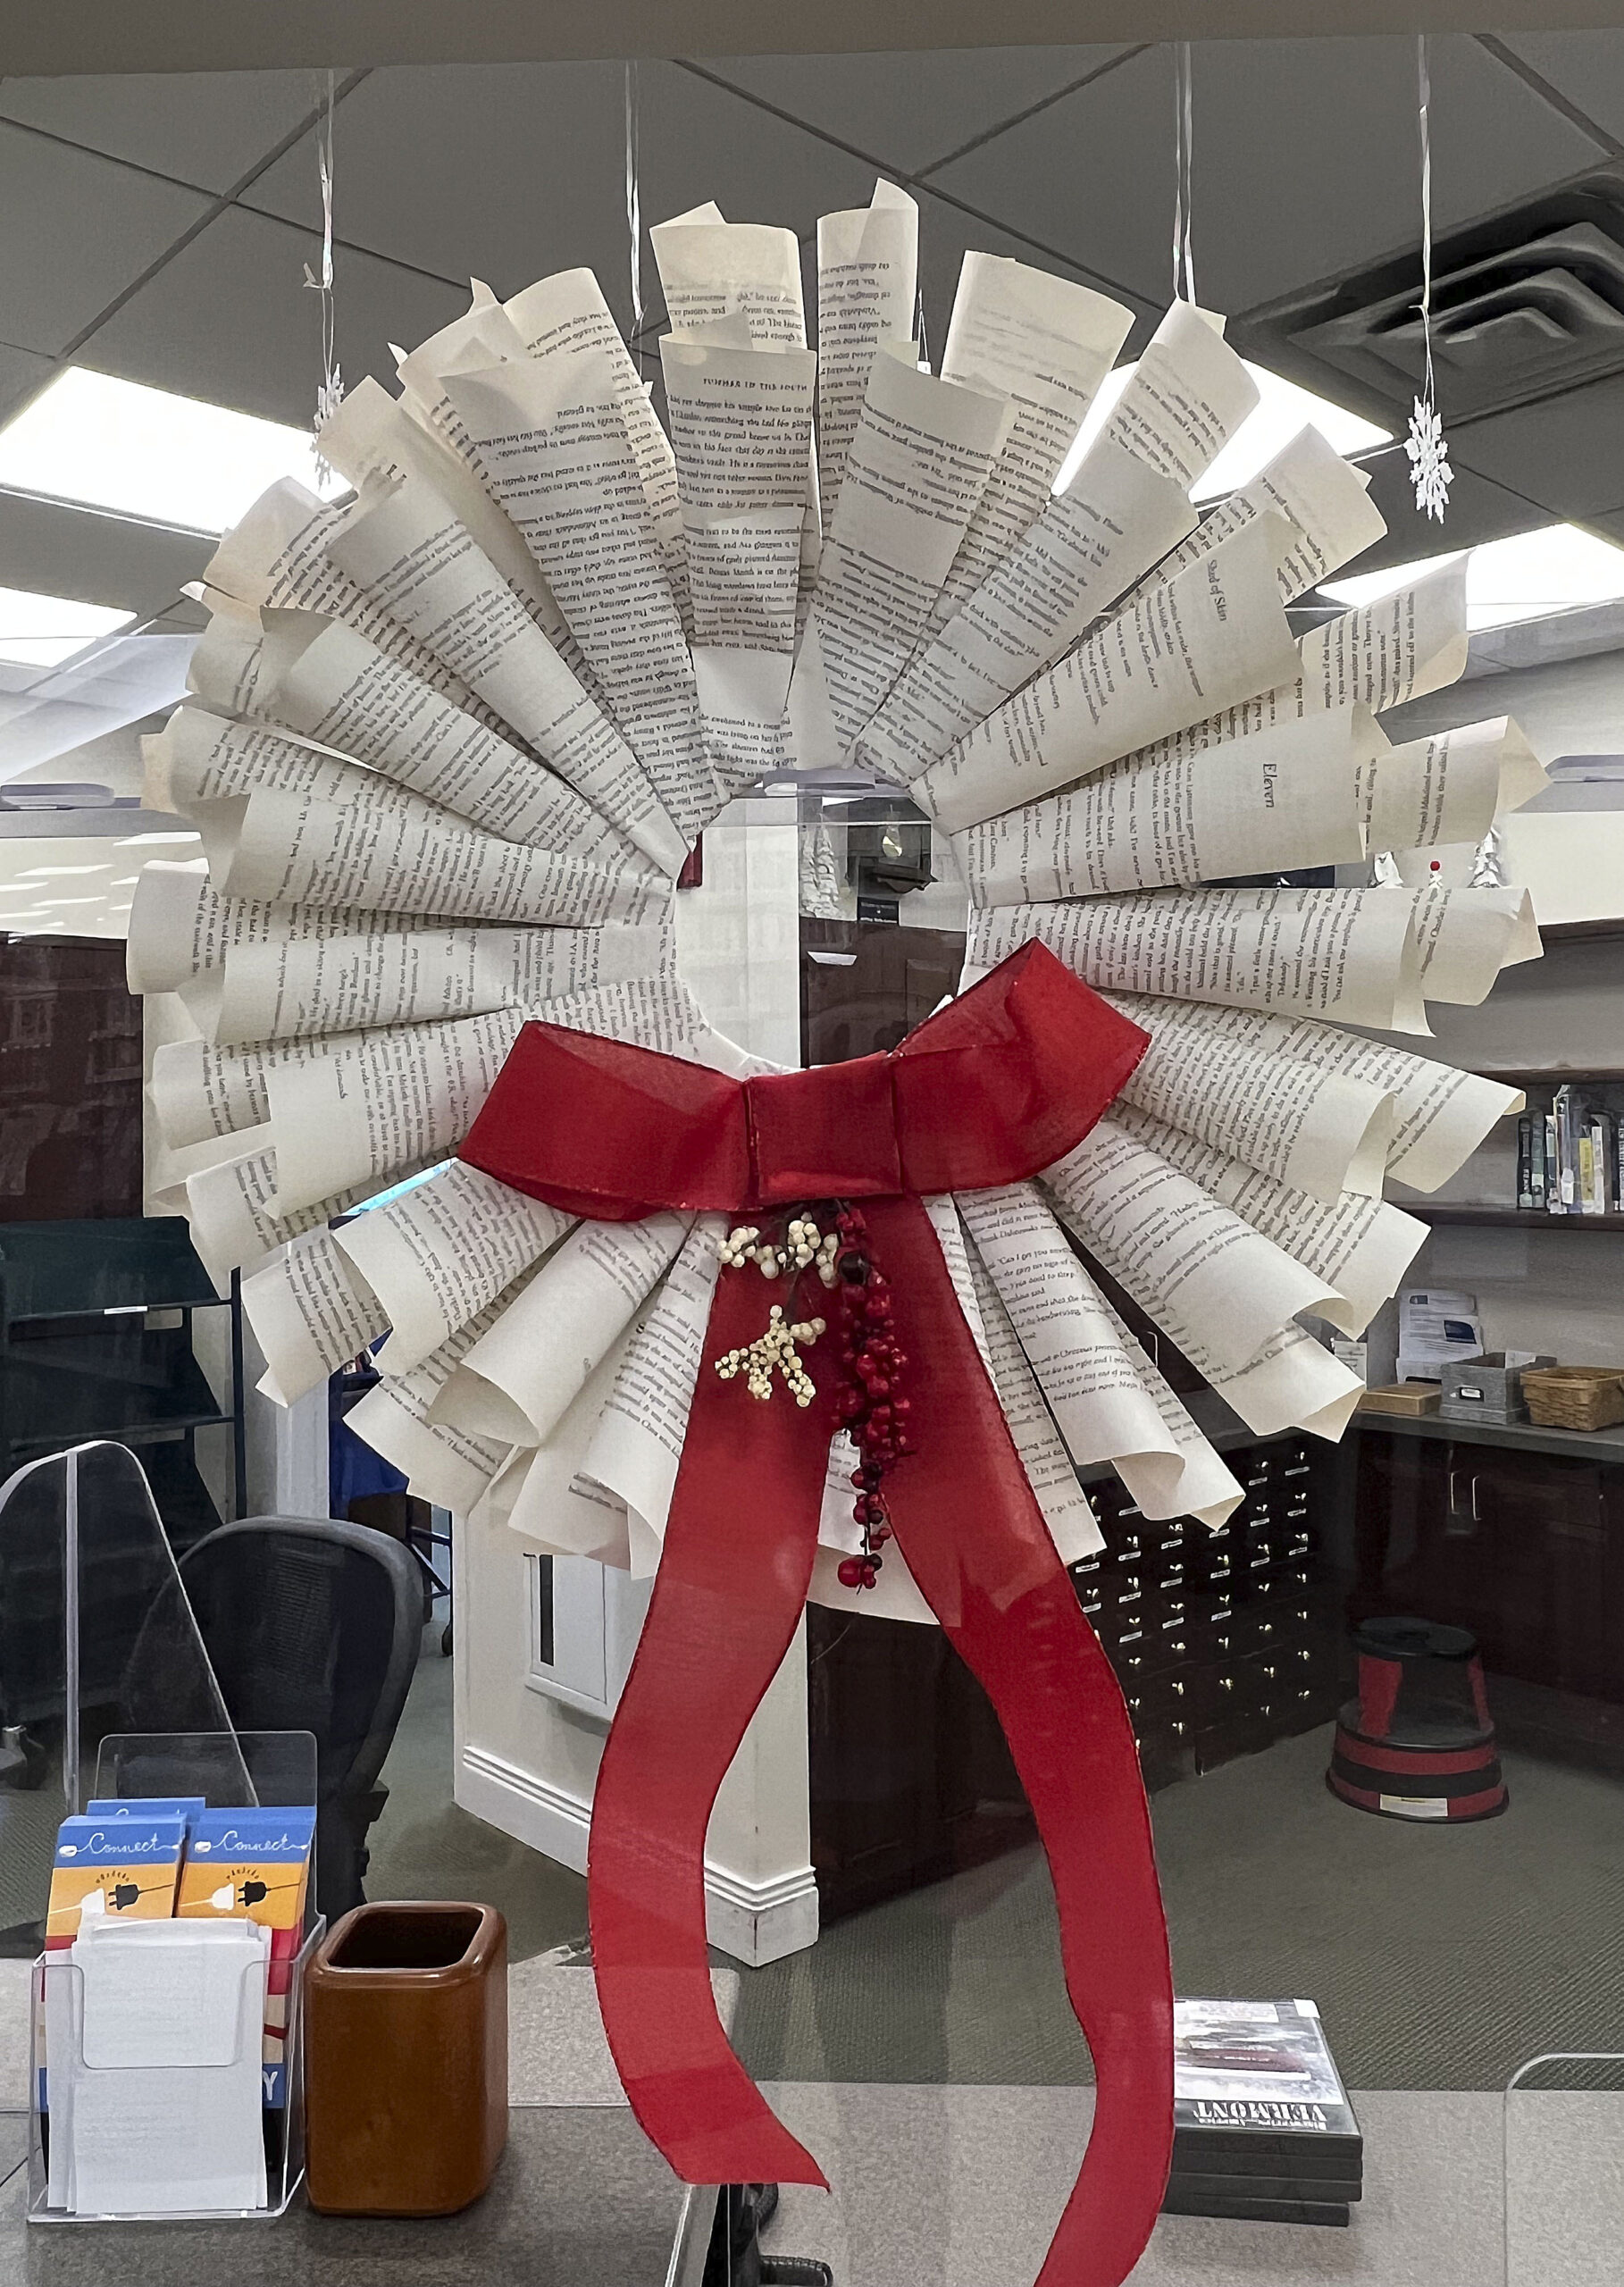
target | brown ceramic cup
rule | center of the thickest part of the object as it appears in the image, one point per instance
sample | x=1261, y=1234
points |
x=406, y=2059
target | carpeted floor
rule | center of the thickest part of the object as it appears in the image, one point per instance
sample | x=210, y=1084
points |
x=1439, y=1959
x=424, y=1846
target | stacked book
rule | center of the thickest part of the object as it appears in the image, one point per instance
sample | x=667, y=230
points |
x=1262, y=2126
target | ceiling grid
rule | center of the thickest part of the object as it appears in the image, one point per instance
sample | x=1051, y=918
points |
x=160, y=224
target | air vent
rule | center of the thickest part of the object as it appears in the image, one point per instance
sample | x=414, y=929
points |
x=1524, y=304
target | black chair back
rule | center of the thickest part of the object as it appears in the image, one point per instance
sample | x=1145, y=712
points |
x=311, y=1624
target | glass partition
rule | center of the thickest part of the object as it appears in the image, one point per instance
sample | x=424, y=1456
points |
x=1564, y=2171
x=96, y=1637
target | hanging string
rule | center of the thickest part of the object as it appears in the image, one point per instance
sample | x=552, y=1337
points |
x=634, y=211
x=1429, y=469
x=1424, y=78
x=1184, y=139
x=331, y=388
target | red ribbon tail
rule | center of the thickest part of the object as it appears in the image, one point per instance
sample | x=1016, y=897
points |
x=727, y=1600
x=737, y=1557
x=975, y=1540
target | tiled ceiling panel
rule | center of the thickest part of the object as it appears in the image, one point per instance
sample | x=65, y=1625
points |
x=78, y=230
x=22, y=372
x=509, y=174
x=700, y=141
x=1567, y=451
x=1305, y=160
x=503, y=174
x=1089, y=177
x=55, y=551
x=206, y=127
x=231, y=320
x=1479, y=510
x=947, y=233
x=1586, y=67
x=911, y=112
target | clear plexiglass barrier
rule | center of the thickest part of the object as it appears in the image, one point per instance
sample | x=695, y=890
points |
x=1564, y=2172
x=96, y=1637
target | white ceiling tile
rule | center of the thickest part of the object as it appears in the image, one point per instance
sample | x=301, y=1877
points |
x=229, y=320
x=1479, y=510
x=947, y=234
x=22, y=372
x=1306, y=161
x=509, y=172
x=1563, y=451
x=1586, y=67
x=79, y=230
x=504, y=173
x=910, y=111
x=700, y=141
x=51, y=550
x=206, y=127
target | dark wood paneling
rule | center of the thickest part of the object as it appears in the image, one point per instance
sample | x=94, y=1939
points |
x=1527, y=1550
x=877, y=982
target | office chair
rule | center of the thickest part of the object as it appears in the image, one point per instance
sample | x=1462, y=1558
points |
x=311, y=1624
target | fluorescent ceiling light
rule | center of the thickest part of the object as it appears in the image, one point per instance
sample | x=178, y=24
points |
x=47, y=872
x=1529, y=576
x=135, y=840
x=146, y=453
x=43, y=631
x=1281, y=411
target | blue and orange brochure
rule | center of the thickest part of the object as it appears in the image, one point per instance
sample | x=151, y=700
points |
x=254, y=1863
x=126, y=1867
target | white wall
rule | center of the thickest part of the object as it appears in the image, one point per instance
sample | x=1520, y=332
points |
x=527, y=1758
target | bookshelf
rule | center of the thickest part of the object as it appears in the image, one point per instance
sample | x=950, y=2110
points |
x=1563, y=932
x=1539, y=1083
x=1524, y=1218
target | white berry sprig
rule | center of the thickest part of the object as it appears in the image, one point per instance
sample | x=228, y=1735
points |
x=804, y=1247
x=775, y=1349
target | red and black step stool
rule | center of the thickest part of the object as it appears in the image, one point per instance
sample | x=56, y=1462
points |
x=1419, y=1742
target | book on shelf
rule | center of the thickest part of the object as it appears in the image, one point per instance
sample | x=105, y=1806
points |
x=1608, y=1129
x=1565, y=1111
x=1538, y=1181
x=1525, y=1161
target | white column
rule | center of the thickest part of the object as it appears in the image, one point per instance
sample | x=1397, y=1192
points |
x=530, y=1732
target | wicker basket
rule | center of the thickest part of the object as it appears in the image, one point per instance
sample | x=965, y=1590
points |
x=1575, y=1397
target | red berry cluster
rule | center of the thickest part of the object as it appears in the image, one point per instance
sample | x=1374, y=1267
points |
x=872, y=1410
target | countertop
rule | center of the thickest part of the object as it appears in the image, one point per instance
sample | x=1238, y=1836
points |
x=1602, y=1446
x=579, y=2195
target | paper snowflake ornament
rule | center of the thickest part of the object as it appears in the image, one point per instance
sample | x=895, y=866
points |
x=1429, y=469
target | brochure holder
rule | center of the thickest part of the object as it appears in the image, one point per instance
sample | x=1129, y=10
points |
x=1564, y=2191
x=227, y=1769
x=107, y=1692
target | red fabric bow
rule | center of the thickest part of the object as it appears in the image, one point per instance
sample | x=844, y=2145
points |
x=1004, y=1081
